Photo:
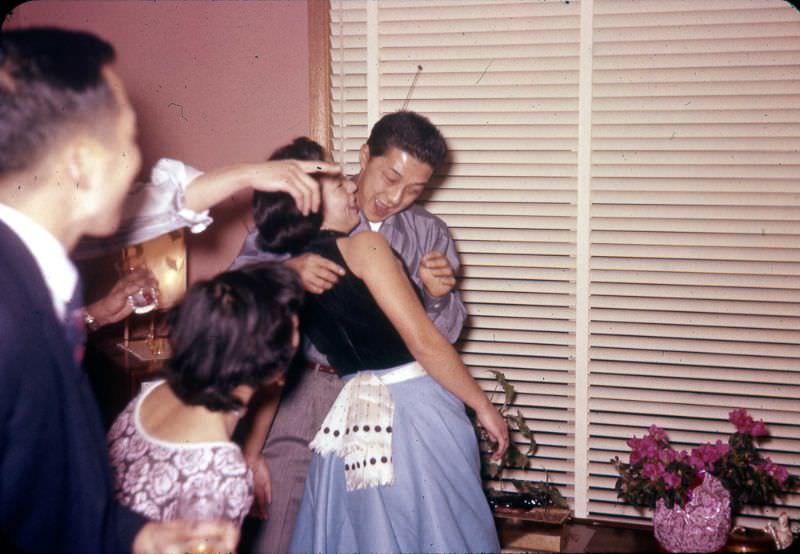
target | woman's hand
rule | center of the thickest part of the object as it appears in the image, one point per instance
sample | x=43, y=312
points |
x=181, y=535
x=496, y=427
x=262, y=487
x=289, y=176
x=293, y=177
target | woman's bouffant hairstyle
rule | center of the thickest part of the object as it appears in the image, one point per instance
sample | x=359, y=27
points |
x=235, y=329
x=281, y=226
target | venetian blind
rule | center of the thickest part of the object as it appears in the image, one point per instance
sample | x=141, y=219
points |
x=695, y=228
x=673, y=295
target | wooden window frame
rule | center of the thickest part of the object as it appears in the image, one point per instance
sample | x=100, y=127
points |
x=319, y=72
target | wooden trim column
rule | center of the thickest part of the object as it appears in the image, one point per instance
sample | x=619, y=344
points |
x=319, y=72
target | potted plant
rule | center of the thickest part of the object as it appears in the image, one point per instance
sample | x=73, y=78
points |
x=713, y=480
x=539, y=500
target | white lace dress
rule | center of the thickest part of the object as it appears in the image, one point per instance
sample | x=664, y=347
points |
x=151, y=475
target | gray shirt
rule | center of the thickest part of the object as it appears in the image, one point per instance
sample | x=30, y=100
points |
x=411, y=233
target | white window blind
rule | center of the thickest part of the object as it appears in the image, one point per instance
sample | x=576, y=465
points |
x=695, y=227
x=674, y=296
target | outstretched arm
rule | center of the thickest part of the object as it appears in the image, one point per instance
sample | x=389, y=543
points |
x=371, y=259
x=290, y=176
x=179, y=196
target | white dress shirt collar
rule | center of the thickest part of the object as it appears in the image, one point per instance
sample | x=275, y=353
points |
x=60, y=275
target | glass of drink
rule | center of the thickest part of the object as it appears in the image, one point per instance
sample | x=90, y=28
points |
x=202, y=505
x=145, y=299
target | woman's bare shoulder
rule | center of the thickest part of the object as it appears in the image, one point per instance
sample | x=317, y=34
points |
x=369, y=238
x=366, y=242
x=364, y=251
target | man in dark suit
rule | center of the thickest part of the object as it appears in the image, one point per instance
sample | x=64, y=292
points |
x=67, y=159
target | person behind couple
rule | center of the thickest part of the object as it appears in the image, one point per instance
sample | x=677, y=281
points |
x=173, y=439
x=398, y=159
x=400, y=473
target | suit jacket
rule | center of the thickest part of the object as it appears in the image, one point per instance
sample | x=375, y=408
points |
x=56, y=491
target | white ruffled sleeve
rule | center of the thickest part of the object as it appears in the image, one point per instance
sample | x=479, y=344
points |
x=169, y=179
x=152, y=209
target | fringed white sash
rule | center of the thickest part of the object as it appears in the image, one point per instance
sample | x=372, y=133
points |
x=358, y=427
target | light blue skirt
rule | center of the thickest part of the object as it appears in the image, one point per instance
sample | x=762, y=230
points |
x=436, y=503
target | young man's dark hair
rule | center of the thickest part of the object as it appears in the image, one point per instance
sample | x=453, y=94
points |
x=51, y=80
x=410, y=132
x=235, y=329
x=281, y=226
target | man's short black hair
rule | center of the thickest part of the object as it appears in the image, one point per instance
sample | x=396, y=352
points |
x=235, y=329
x=281, y=226
x=50, y=81
x=410, y=132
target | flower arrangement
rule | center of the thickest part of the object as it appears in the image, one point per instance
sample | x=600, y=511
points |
x=656, y=470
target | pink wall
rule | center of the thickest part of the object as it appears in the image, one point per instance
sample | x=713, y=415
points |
x=212, y=82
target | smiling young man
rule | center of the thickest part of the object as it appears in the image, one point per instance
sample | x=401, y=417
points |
x=403, y=151
x=397, y=161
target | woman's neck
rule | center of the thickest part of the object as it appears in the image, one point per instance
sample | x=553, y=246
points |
x=164, y=416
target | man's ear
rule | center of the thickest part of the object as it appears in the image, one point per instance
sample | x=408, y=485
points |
x=363, y=156
x=81, y=162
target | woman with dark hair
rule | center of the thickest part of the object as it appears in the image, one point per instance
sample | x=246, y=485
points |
x=396, y=464
x=173, y=439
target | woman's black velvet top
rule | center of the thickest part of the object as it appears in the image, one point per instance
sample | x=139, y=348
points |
x=346, y=324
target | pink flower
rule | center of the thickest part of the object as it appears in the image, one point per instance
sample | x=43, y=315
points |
x=649, y=447
x=642, y=449
x=658, y=434
x=667, y=455
x=759, y=429
x=776, y=471
x=706, y=455
x=653, y=470
x=740, y=419
x=672, y=480
x=745, y=424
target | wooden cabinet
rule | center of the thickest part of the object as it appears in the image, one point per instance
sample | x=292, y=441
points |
x=116, y=374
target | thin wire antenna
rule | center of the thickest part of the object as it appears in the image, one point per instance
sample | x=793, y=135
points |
x=411, y=88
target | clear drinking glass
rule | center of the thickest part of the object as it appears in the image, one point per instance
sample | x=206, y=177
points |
x=146, y=298
x=197, y=505
x=201, y=505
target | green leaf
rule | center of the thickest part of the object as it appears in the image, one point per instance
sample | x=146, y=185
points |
x=493, y=470
x=514, y=458
x=508, y=389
